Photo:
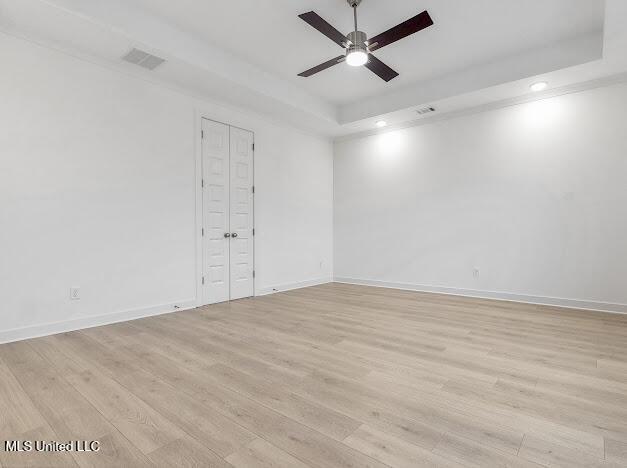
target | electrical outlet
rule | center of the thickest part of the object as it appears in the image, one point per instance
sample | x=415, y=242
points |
x=476, y=272
x=75, y=293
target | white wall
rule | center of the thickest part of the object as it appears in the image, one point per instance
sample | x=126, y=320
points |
x=534, y=196
x=98, y=190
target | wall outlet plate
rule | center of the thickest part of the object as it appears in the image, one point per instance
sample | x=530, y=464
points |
x=75, y=293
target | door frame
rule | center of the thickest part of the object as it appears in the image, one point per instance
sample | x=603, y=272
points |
x=199, y=219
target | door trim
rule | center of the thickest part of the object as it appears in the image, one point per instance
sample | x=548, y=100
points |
x=199, y=224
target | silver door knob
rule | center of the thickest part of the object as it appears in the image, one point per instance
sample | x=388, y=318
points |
x=234, y=234
x=227, y=234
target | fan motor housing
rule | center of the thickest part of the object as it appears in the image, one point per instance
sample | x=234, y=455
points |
x=357, y=41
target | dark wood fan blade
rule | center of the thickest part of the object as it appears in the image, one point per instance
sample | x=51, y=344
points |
x=322, y=66
x=380, y=69
x=406, y=28
x=313, y=19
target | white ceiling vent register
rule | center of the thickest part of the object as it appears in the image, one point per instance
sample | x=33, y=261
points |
x=143, y=59
x=425, y=110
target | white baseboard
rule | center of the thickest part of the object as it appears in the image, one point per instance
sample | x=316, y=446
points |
x=291, y=286
x=502, y=296
x=34, y=331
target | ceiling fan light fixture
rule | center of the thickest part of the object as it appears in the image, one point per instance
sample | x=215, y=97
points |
x=357, y=52
x=357, y=58
x=357, y=47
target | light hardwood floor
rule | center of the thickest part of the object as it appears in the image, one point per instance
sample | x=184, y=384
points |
x=328, y=376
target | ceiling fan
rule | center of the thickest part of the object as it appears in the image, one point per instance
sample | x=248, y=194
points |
x=358, y=48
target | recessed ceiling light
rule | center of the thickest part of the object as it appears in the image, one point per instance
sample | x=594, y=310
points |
x=539, y=86
x=381, y=123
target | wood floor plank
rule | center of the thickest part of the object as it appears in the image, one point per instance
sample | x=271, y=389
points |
x=262, y=454
x=615, y=451
x=310, y=354
x=141, y=424
x=17, y=412
x=421, y=409
x=394, y=451
x=186, y=453
x=331, y=375
x=470, y=453
x=549, y=454
x=68, y=413
x=291, y=436
x=191, y=340
x=592, y=418
x=159, y=390
x=326, y=421
x=422, y=434
x=302, y=442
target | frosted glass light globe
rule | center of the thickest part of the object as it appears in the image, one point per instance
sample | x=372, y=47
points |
x=357, y=58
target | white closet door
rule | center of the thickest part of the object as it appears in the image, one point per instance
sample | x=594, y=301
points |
x=242, y=258
x=215, y=151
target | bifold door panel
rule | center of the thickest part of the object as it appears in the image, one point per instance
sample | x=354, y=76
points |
x=241, y=213
x=228, y=258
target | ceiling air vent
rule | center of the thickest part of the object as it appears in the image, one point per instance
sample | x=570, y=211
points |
x=143, y=59
x=425, y=110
